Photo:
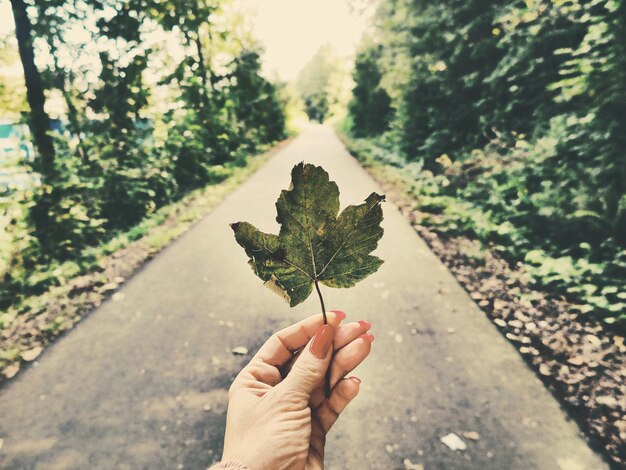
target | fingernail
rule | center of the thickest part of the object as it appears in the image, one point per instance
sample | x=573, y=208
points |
x=356, y=379
x=322, y=341
x=339, y=314
x=365, y=324
x=368, y=337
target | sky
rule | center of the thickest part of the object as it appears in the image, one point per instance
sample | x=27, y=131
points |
x=6, y=17
x=290, y=30
x=293, y=30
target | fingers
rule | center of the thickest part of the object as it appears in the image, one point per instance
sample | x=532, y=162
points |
x=281, y=345
x=343, y=393
x=345, y=361
x=348, y=332
x=264, y=373
x=344, y=334
x=349, y=357
x=275, y=358
x=309, y=369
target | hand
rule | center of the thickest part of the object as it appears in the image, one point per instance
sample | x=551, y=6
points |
x=278, y=416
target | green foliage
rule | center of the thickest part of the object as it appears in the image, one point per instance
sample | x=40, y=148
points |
x=315, y=242
x=509, y=118
x=321, y=84
x=489, y=198
x=257, y=105
x=370, y=107
x=73, y=200
x=12, y=93
x=141, y=126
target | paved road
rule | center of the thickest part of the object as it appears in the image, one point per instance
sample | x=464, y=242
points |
x=141, y=383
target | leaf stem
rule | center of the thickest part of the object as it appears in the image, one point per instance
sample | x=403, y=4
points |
x=327, y=376
x=319, y=292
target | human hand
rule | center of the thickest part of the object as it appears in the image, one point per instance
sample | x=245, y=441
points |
x=278, y=416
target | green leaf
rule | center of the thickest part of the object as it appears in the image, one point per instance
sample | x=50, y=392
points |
x=314, y=242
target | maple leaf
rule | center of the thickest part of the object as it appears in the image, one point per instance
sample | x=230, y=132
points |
x=315, y=244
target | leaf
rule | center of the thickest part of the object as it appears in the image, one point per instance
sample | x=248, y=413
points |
x=453, y=441
x=31, y=354
x=315, y=242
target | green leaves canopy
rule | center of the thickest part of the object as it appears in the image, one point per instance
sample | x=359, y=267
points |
x=314, y=244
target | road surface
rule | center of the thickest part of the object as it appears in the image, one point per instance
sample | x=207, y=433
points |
x=142, y=382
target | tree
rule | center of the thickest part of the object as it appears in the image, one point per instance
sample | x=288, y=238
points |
x=370, y=106
x=39, y=120
x=141, y=123
x=39, y=123
x=320, y=83
x=258, y=110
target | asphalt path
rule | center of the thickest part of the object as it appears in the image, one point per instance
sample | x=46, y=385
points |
x=142, y=382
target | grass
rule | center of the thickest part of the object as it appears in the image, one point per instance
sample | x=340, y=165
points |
x=82, y=286
x=594, y=286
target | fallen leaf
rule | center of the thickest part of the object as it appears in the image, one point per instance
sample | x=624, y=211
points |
x=109, y=286
x=472, y=435
x=408, y=465
x=593, y=339
x=12, y=370
x=607, y=400
x=574, y=379
x=118, y=296
x=240, y=351
x=513, y=337
x=544, y=369
x=31, y=354
x=454, y=442
x=499, y=304
x=576, y=361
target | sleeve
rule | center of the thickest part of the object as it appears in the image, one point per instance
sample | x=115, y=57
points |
x=230, y=465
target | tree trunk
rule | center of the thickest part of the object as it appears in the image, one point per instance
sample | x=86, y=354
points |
x=39, y=120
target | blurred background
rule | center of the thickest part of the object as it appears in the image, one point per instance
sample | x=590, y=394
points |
x=508, y=115
x=110, y=110
x=504, y=123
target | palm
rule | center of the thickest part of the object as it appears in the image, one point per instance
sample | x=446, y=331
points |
x=315, y=459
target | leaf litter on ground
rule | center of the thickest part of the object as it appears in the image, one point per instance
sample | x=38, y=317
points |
x=454, y=442
x=581, y=362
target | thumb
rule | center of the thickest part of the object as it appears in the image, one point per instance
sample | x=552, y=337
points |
x=309, y=369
